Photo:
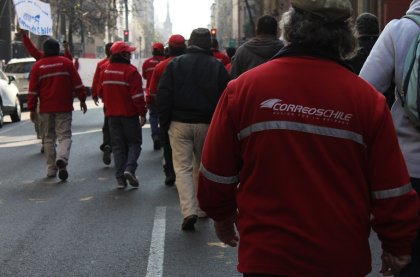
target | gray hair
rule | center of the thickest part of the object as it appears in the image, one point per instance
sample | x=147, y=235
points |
x=300, y=28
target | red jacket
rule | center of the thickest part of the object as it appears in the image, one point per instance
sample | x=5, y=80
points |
x=53, y=81
x=35, y=52
x=147, y=70
x=95, y=83
x=221, y=57
x=120, y=88
x=154, y=81
x=307, y=162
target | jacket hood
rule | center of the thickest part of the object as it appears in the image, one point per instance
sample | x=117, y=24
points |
x=264, y=46
x=414, y=7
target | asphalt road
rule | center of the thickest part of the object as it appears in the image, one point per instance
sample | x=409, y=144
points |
x=86, y=227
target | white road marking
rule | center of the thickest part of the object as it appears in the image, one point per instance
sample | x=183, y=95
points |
x=157, y=245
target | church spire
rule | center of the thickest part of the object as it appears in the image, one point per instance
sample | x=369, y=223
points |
x=167, y=26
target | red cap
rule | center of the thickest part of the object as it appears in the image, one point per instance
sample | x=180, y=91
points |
x=158, y=46
x=121, y=46
x=177, y=41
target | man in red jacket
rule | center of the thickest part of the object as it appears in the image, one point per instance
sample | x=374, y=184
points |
x=222, y=57
x=106, y=137
x=147, y=70
x=121, y=91
x=305, y=167
x=176, y=48
x=53, y=81
x=38, y=54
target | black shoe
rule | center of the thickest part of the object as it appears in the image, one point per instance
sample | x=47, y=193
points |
x=131, y=178
x=106, y=158
x=188, y=223
x=170, y=180
x=121, y=183
x=62, y=171
x=156, y=144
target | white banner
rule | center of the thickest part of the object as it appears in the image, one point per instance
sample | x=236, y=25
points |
x=34, y=16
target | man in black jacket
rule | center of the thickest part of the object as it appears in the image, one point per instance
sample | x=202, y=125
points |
x=187, y=96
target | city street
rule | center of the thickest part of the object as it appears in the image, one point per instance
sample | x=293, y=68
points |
x=86, y=227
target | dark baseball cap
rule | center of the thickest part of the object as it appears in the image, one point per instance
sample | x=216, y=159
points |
x=332, y=10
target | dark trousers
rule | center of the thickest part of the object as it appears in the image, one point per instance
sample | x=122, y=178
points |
x=413, y=268
x=154, y=122
x=168, y=166
x=126, y=139
x=106, y=137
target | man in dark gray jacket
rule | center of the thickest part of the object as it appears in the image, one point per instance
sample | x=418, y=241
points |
x=187, y=96
x=259, y=49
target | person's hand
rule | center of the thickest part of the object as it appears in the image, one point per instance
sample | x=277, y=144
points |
x=83, y=107
x=65, y=45
x=391, y=265
x=142, y=120
x=225, y=231
x=32, y=116
x=95, y=100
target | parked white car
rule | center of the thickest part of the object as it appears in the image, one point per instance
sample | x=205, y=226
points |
x=21, y=69
x=9, y=99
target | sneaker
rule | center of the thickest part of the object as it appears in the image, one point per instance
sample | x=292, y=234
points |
x=52, y=174
x=131, y=178
x=202, y=214
x=170, y=180
x=188, y=223
x=156, y=144
x=106, y=158
x=62, y=171
x=121, y=183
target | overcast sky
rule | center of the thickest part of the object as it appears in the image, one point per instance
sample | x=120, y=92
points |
x=186, y=15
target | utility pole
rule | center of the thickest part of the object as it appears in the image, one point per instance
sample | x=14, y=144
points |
x=5, y=31
x=126, y=20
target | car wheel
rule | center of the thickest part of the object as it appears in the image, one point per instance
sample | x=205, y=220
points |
x=16, y=115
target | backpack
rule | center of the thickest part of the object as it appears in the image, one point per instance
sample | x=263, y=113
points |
x=410, y=97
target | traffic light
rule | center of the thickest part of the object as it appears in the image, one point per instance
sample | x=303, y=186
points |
x=126, y=34
x=213, y=32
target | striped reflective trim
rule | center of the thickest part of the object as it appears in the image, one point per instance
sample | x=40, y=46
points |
x=79, y=86
x=390, y=193
x=32, y=93
x=137, y=95
x=63, y=73
x=217, y=178
x=150, y=69
x=300, y=127
x=115, y=83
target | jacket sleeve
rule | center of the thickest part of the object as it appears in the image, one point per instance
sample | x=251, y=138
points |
x=164, y=97
x=33, y=90
x=154, y=82
x=30, y=47
x=395, y=205
x=136, y=92
x=378, y=68
x=220, y=164
x=68, y=55
x=95, y=82
x=78, y=86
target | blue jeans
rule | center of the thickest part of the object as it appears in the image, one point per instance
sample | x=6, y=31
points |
x=154, y=122
x=126, y=140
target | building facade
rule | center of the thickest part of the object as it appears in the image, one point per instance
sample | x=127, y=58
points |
x=235, y=20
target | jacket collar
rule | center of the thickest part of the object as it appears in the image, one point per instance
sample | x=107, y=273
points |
x=296, y=51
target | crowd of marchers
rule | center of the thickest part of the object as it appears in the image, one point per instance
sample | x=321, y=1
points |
x=298, y=192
